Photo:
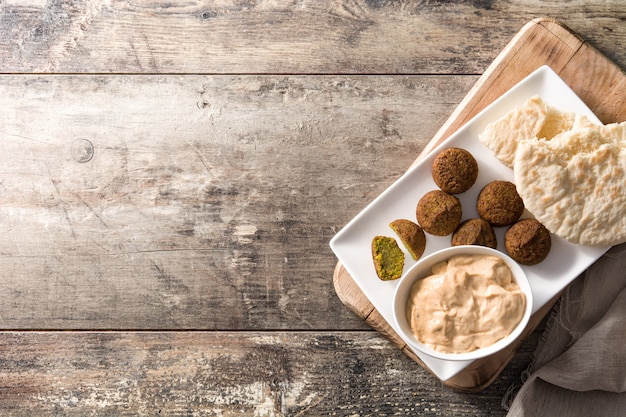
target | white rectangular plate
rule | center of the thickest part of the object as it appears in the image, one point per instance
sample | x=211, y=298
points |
x=352, y=245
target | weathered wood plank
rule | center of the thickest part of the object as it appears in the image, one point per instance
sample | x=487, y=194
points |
x=203, y=195
x=229, y=374
x=285, y=36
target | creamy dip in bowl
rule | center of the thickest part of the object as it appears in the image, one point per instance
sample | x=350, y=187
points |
x=462, y=303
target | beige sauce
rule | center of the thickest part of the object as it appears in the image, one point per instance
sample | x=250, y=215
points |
x=468, y=303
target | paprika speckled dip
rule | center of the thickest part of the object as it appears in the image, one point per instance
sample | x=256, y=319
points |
x=484, y=309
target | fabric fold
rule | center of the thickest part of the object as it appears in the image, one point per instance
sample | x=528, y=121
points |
x=597, y=360
x=580, y=363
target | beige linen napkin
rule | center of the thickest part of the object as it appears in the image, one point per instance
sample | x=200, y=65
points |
x=580, y=363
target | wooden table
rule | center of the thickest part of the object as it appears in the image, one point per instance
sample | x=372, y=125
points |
x=171, y=176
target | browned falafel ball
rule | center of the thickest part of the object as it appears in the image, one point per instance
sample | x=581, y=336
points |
x=528, y=242
x=439, y=213
x=474, y=232
x=499, y=203
x=411, y=235
x=454, y=170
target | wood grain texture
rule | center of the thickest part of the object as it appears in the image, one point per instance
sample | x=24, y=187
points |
x=596, y=79
x=201, y=211
x=284, y=36
x=226, y=374
x=203, y=194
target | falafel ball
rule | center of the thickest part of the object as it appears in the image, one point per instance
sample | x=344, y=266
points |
x=439, y=213
x=474, y=232
x=454, y=170
x=528, y=242
x=499, y=203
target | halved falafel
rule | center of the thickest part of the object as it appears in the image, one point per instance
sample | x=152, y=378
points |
x=388, y=258
x=411, y=235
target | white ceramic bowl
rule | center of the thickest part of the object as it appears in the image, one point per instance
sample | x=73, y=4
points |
x=422, y=269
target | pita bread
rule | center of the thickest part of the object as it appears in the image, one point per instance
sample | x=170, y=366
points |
x=575, y=183
x=535, y=119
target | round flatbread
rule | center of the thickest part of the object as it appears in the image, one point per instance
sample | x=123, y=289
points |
x=575, y=183
x=535, y=119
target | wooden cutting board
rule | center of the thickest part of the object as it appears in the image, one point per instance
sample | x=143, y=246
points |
x=596, y=80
